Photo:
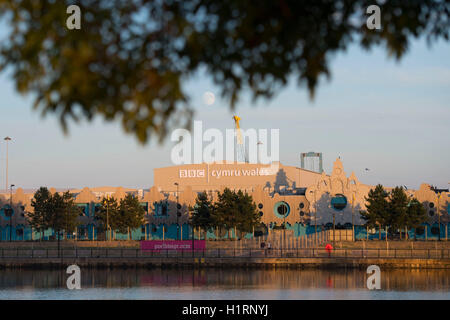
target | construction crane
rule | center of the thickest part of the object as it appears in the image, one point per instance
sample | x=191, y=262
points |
x=240, y=143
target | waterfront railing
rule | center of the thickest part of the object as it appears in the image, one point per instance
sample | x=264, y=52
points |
x=132, y=253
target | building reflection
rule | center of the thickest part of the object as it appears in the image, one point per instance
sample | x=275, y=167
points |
x=398, y=280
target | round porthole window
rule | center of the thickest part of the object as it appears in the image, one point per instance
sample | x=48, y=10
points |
x=281, y=209
x=302, y=213
x=431, y=205
x=261, y=213
x=302, y=205
x=339, y=202
x=260, y=206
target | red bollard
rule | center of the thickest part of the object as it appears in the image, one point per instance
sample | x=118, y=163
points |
x=329, y=248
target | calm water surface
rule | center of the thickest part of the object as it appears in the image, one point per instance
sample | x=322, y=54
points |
x=224, y=284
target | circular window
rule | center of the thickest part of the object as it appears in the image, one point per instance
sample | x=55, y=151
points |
x=281, y=209
x=339, y=202
x=434, y=230
x=431, y=205
x=261, y=213
x=260, y=206
x=420, y=231
x=431, y=213
x=302, y=213
x=302, y=205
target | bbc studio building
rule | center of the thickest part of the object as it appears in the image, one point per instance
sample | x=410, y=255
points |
x=302, y=200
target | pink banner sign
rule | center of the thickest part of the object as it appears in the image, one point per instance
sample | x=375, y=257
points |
x=172, y=245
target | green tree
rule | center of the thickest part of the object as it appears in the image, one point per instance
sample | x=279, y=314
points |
x=249, y=216
x=62, y=213
x=121, y=67
x=376, y=213
x=107, y=214
x=55, y=211
x=129, y=216
x=38, y=217
x=416, y=215
x=235, y=210
x=225, y=211
x=398, y=204
x=202, y=215
x=71, y=213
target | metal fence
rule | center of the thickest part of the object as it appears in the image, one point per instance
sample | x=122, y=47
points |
x=288, y=240
x=125, y=253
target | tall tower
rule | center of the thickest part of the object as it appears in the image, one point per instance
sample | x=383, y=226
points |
x=240, y=143
x=313, y=161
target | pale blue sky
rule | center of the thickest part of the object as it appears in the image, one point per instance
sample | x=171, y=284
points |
x=393, y=118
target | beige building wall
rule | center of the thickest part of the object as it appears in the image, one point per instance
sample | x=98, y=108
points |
x=435, y=204
x=244, y=176
x=308, y=194
x=320, y=194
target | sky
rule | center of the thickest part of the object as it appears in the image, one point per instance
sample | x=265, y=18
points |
x=375, y=112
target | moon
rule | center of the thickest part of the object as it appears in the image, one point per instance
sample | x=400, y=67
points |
x=209, y=98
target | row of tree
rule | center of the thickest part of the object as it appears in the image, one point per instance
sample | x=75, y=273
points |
x=60, y=213
x=120, y=216
x=394, y=211
x=232, y=210
x=55, y=211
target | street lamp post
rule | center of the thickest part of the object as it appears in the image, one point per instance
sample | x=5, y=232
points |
x=108, y=236
x=178, y=213
x=315, y=215
x=334, y=227
x=353, y=219
x=10, y=213
x=439, y=215
x=284, y=231
x=334, y=218
x=7, y=139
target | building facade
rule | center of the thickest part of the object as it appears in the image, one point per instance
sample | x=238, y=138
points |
x=303, y=200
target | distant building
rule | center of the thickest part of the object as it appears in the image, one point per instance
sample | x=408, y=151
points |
x=283, y=194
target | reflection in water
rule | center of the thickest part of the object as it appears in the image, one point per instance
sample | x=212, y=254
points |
x=275, y=283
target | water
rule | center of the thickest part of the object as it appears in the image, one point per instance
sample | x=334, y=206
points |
x=233, y=284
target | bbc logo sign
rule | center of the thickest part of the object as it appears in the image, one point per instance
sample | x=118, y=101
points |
x=200, y=173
